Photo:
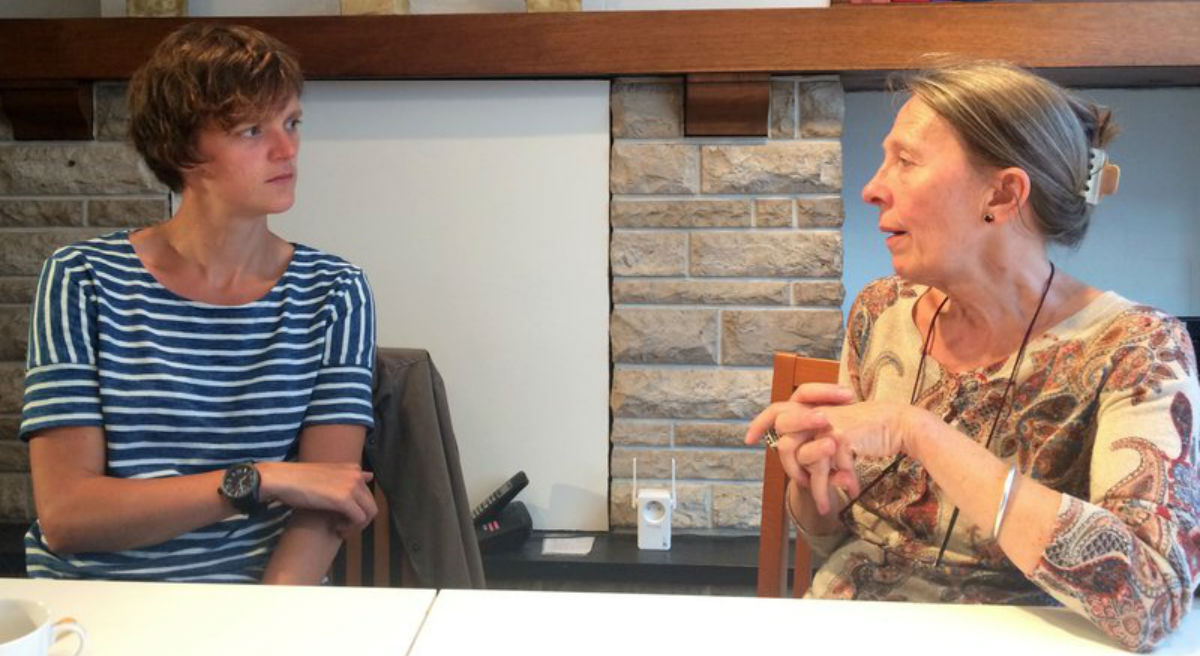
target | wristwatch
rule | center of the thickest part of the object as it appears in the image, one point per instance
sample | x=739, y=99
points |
x=240, y=485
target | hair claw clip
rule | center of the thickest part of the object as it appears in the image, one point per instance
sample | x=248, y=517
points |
x=1103, y=177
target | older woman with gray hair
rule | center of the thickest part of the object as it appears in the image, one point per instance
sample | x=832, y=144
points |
x=1003, y=432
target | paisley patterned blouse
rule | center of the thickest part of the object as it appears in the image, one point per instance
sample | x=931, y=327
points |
x=1104, y=411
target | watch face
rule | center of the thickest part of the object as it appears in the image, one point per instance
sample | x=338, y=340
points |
x=239, y=481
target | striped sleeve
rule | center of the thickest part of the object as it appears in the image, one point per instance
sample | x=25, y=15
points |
x=61, y=381
x=342, y=394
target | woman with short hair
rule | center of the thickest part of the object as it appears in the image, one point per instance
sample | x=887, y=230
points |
x=198, y=391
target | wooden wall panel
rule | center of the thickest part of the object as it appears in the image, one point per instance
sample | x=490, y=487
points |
x=1115, y=43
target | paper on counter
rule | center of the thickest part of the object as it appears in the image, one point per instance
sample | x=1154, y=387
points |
x=576, y=546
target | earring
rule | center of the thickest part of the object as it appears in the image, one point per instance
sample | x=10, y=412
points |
x=988, y=218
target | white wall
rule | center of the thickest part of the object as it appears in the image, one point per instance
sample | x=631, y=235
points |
x=480, y=212
x=1144, y=242
x=201, y=8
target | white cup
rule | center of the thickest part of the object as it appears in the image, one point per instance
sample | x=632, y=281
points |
x=26, y=629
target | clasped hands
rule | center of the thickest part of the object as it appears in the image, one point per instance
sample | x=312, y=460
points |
x=821, y=433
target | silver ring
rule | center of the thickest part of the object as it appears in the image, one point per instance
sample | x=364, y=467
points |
x=771, y=438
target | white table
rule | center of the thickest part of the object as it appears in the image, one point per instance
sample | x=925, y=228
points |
x=561, y=623
x=170, y=618
x=131, y=619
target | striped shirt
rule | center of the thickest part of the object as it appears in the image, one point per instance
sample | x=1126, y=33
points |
x=181, y=387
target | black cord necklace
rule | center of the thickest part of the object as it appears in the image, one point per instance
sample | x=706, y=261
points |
x=1000, y=412
x=1004, y=408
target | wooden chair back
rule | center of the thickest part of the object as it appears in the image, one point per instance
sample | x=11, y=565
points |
x=372, y=558
x=790, y=372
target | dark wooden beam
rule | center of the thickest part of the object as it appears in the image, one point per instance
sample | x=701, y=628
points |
x=727, y=105
x=1130, y=43
x=50, y=111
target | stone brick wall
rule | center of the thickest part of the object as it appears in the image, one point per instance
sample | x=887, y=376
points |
x=723, y=251
x=53, y=193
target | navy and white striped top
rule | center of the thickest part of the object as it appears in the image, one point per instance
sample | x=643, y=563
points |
x=182, y=387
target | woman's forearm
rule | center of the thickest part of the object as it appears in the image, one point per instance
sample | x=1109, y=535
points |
x=305, y=550
x=102, y=513
x=312, y=539
x=973, y=480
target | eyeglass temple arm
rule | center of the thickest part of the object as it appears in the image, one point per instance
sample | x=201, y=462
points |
x=946, y=539
x=844, y=513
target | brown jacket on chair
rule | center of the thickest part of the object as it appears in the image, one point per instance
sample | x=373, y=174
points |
x=415, y=459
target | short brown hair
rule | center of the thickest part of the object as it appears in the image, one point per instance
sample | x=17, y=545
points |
x=1008, y=116
x=204, y=74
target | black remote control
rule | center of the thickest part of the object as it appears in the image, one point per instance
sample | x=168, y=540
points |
x=490, y=508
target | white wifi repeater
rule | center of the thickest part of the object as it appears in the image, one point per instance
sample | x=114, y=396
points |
x=654, y=506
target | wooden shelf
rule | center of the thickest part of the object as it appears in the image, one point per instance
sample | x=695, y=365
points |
x=1139, y=43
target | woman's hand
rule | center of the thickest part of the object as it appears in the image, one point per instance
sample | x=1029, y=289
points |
x=810, y=455
x=872, y=428
x=333, y=487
